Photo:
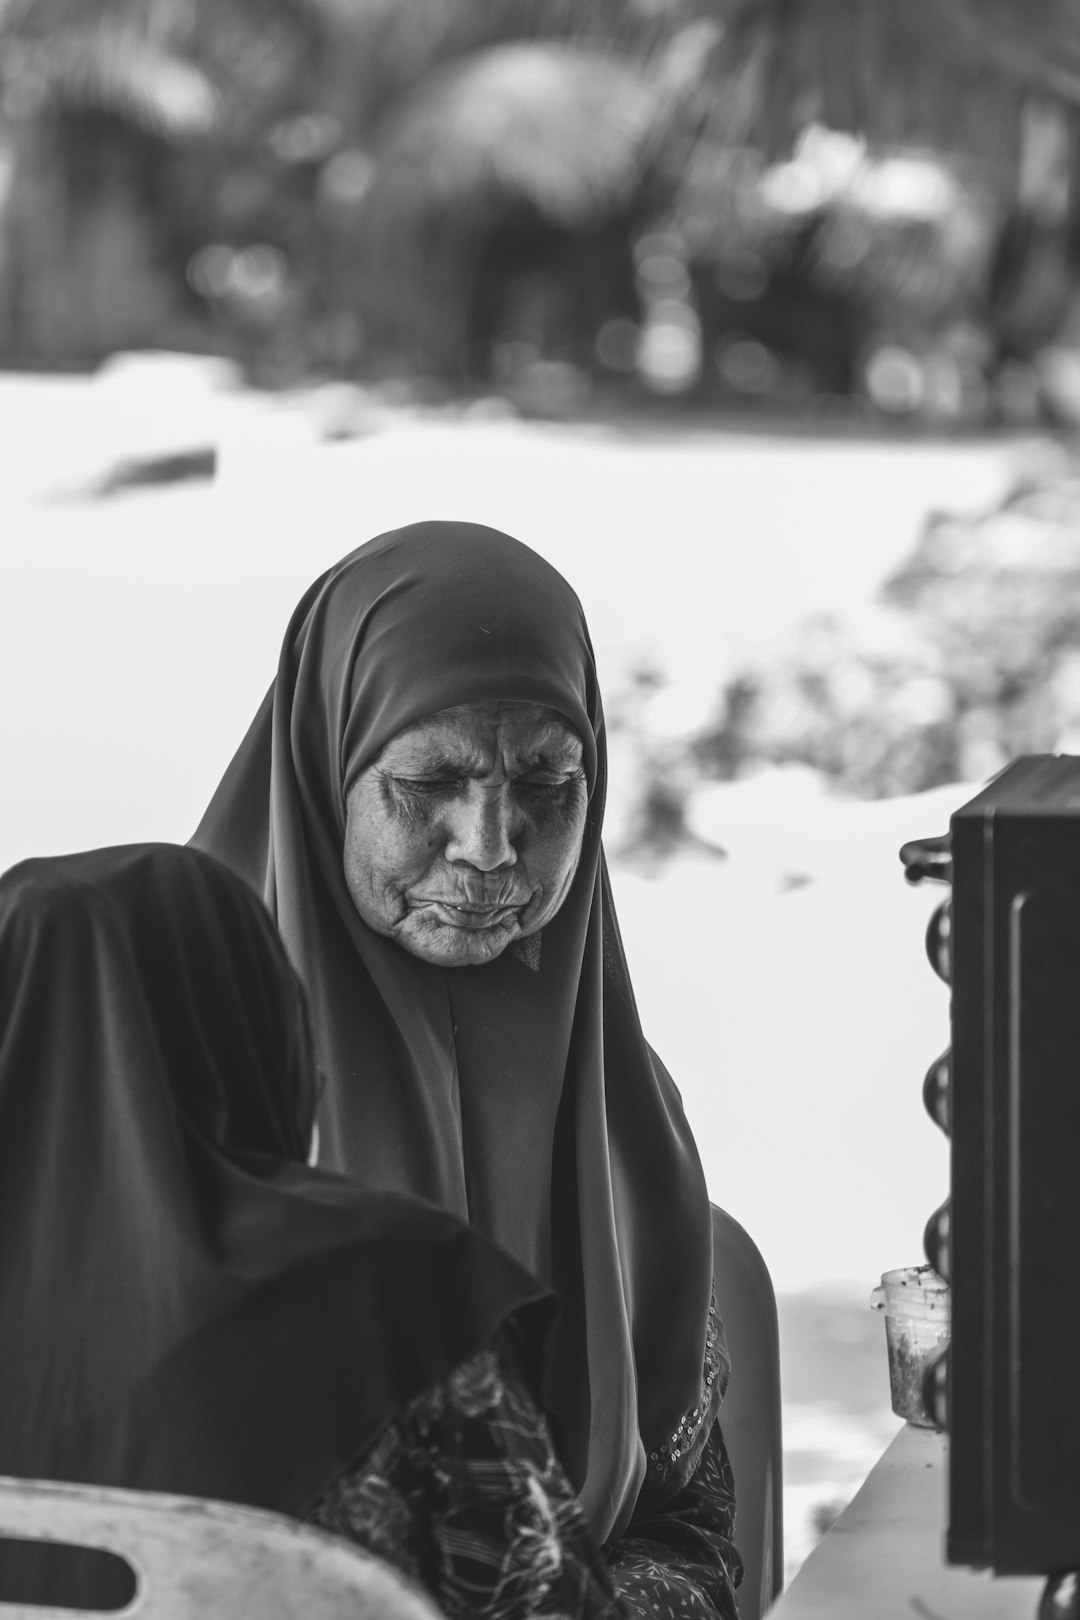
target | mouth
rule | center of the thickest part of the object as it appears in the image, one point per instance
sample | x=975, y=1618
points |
x=467, y=915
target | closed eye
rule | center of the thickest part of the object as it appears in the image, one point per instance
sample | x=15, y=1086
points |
x=542, y=790
x=545, y=788
x=431, y=787
x=428, y=787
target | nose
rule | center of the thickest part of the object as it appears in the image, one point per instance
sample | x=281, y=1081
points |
x=482, y=829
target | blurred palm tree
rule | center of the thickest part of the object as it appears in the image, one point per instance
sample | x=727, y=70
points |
x=932, y=73
x=93, y=100
x=121, y=58
x=988, y=90
x=172, y=68
x=426, y=95
x=403, y=130
x=177, y=67
x=542, y=155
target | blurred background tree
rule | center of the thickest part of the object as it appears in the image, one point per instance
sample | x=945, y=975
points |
x=324, y=184
x=770, y=202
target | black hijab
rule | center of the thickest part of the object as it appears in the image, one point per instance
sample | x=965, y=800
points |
x=522, y=1094
x=185, y=1305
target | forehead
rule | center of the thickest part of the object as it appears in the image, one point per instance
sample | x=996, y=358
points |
x=476, y=733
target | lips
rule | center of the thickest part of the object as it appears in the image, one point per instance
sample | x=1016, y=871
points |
x=468, y=915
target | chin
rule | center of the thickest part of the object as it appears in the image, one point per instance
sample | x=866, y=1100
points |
x=457, y=947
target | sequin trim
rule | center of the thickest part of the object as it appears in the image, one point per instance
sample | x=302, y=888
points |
x=664, y=1458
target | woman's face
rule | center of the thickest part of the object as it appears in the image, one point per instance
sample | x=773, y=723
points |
x=465, y=833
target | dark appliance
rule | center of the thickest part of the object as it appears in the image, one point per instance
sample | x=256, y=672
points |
x=1007, y=939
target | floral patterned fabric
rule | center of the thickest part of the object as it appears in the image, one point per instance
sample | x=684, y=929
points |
x=463, y=1492
x=679, y=1563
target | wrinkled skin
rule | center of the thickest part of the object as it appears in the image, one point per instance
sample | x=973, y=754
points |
x=465, y=833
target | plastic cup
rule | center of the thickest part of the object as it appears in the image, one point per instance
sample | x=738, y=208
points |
x=917, y=1322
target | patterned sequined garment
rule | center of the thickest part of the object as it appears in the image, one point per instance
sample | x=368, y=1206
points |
x=463, y=1492
x=694, y=1427
x=680, y=1563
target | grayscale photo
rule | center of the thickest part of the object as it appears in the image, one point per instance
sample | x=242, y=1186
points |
x=540, y=809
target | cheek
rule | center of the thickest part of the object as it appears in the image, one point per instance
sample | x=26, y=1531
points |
x=386, y=849
x=402, y=855
x=558, y=831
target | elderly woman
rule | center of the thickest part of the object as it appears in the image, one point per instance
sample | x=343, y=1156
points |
x=186, y=1306
x=420, y=801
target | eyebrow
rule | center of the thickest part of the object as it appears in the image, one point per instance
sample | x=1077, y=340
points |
x=434, y=765
x=549, y=762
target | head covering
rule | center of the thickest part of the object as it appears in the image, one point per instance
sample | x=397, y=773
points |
x=520, y=1094
x=184, y=1304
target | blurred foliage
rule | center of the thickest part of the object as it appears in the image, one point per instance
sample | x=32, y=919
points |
x=944, y=75
x=970, y=658
x=997, y=600
x=866, y=704
x=764, y=202
x=341, y=163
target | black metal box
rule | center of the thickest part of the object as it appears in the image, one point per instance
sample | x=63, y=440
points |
x=1013, y=1389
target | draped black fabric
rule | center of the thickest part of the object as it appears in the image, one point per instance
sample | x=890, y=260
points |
x=184, y=1304
x=520, y=1094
